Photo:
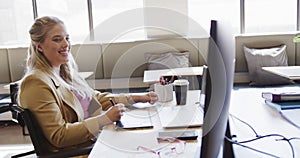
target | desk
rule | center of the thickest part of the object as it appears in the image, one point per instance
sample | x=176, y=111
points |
x=248, y=105
x=113, y=143
x=152, y=76
x=86, y=75
x=290, y=72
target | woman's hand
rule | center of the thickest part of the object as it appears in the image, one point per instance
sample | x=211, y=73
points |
x=150, y=97
x=114, y=113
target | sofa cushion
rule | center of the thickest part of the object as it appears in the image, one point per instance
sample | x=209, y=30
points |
x=263, y=57
x=167, y=60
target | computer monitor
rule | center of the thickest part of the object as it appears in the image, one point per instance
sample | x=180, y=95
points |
x=218, y=86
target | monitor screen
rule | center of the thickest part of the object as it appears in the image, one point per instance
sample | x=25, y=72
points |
x=218, y=85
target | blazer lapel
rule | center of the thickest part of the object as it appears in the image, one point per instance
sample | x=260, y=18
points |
x=69, y=99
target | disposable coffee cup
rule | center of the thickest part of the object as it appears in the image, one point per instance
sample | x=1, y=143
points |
x=181, y=88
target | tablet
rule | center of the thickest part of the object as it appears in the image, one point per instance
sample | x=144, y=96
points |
x=182, y=135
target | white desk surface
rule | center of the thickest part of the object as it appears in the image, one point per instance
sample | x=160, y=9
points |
x=152, y=76
x=290, y=72
x=117, y=83
x=86, y=75
x=113, y=143
x=248, y=105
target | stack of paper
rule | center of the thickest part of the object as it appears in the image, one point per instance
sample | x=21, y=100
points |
x=287, y=103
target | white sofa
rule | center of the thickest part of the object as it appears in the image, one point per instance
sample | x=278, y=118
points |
x=122, y=64
x=263, y=41
x=115, y=65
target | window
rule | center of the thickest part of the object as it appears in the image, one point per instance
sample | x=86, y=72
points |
x=74, y=13
x=270, y=16
x=111, y=17
x=202, y=11
x=16, y=19
x=129, y=20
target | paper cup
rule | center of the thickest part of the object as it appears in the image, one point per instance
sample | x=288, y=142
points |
x=181, y=87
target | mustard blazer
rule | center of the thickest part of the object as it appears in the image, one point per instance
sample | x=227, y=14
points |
x=58, y=110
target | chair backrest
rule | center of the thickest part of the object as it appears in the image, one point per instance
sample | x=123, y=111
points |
x=41, y=145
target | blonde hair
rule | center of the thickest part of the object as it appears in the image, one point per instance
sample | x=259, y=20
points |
x=36, y=60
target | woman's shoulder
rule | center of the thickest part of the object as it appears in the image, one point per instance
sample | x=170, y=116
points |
x=36, y=76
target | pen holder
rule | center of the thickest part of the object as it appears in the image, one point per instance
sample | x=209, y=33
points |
x=164, y=92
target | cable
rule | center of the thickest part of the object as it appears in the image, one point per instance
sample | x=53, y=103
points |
x=273, y=135
x=242, y=145
x=260, y=137
x=283, y=138
x=294, y=138
x=256, y=134
x=288, y=140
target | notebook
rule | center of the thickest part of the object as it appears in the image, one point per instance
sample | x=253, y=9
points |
x=135, y=119
x=180, y=116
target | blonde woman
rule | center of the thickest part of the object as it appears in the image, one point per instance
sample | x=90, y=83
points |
x=68, y=110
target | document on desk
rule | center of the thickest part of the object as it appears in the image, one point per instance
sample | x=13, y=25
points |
x=292, y=116
x=180, y=116
x=135, y=119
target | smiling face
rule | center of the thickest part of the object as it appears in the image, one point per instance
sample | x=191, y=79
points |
x=56, y=45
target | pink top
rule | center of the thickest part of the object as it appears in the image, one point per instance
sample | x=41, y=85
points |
x=85, y=103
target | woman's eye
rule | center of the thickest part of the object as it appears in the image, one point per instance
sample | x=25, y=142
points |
x=57, y=39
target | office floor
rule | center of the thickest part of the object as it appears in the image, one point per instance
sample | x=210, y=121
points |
x=12, y=141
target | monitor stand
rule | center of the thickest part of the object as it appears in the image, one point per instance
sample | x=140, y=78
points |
x=226, y=148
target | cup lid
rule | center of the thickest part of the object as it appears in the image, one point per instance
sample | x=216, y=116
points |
x=181, y=82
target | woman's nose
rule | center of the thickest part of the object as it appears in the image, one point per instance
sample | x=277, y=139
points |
x=65, y=43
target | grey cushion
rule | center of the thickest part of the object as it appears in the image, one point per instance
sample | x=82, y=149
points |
x=167, y=60
x=257, y=58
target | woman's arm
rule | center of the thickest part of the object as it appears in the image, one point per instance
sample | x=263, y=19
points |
x=126, y=99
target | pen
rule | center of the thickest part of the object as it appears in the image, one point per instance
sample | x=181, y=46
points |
x=166, y=81
x=118, y=123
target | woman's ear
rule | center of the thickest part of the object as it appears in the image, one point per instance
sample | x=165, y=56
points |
x=39, y=48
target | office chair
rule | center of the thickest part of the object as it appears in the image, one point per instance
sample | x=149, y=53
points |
x=8, y=106
x=42, y=148
x=4, y=107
